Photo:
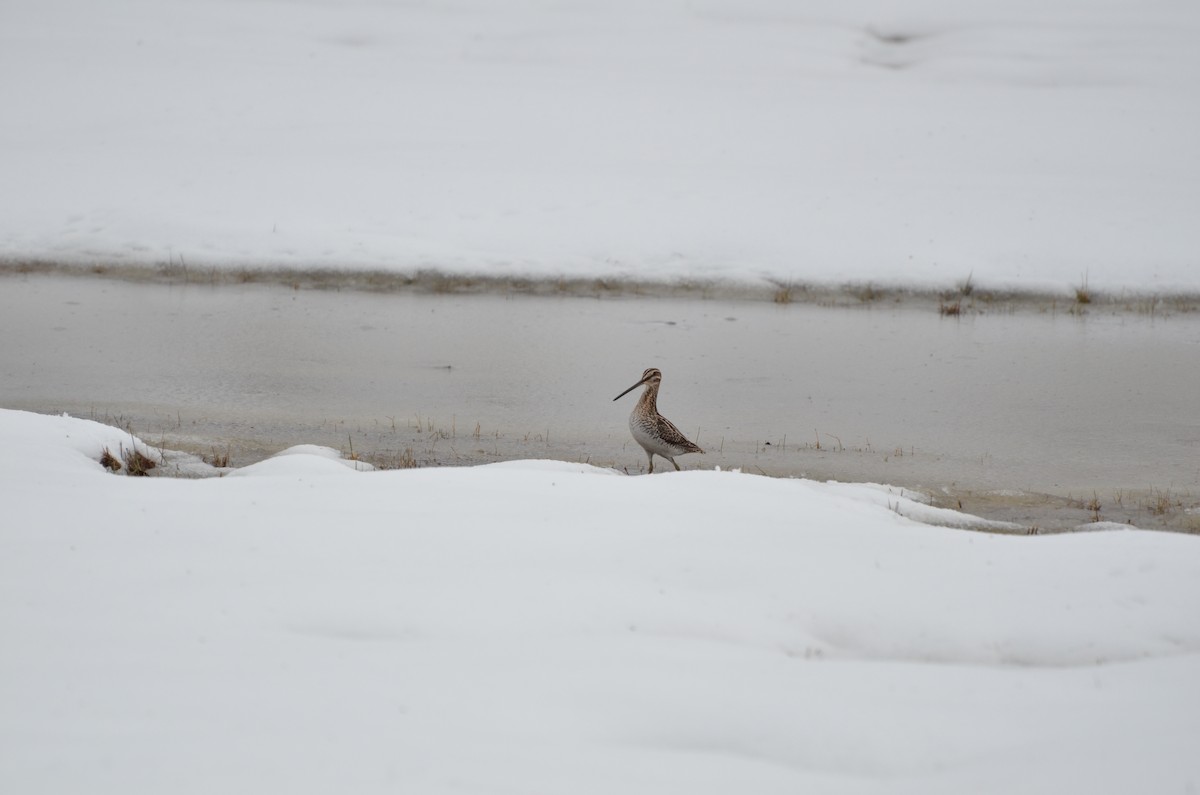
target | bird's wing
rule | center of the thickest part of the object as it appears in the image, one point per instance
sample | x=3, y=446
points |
x=672, y=435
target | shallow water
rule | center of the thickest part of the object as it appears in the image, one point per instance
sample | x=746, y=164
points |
x=984, y=405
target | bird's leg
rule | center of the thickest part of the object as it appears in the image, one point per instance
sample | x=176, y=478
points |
x=672, y=460
x=650, y=456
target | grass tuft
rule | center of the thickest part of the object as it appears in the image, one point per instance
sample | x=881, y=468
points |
x=786, y=291
x=217, y=460
x=868, y=293
x=110, y=461
x=1161, y=503
x=138, y=465
x=405, y=460
x=968, y=286
x=1083, y=294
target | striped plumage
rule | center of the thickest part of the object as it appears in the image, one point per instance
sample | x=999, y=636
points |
x=654, y=432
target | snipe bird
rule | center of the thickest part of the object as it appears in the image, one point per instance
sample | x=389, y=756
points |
x=654, y=432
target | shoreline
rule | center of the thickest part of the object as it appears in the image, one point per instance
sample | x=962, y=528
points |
x=1025, y=511
x=964, y=298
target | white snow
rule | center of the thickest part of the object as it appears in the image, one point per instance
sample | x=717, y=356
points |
x=553, y=627
x=302, y=462
x=302, y=625
x=1027, y=143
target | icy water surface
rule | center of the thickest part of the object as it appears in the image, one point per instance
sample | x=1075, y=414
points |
x=992, y=411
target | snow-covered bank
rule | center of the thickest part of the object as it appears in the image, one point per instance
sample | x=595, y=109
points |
x=541, y=626
x=1026, y=144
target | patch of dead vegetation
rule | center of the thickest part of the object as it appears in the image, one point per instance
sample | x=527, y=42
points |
x=110, y=461
x=138, y=464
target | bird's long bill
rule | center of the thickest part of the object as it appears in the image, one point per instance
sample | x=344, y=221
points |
x=627, y=391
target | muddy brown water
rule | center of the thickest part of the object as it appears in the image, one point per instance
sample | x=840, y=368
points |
x=1033, y=417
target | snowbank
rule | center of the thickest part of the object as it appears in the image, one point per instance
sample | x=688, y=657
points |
x=552, y=627
x=1029, y=144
